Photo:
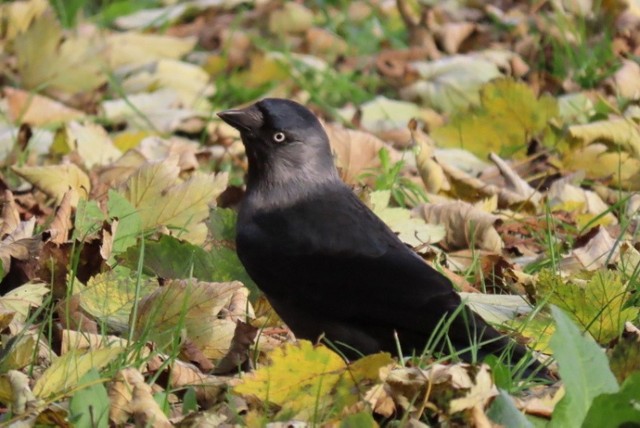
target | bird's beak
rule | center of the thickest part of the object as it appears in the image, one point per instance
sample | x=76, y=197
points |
x=246, y=119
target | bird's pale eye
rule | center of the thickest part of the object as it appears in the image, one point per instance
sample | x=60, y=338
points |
x=279, y=137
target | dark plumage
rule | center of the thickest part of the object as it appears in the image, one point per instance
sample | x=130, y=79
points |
x=328, y=265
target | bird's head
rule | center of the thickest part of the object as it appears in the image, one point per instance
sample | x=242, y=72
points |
x=284, y=142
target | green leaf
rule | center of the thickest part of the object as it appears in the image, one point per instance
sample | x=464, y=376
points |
x=189, y=401
x=129, y=222
x=616, y=410
x=89, y=218
x=222, y=224
x=89, y=406
x=171, y=258
x=583, y=368
x=362, y=419
x=597, y=305
x=505, y=413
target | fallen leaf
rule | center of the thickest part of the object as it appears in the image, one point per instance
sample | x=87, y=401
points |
x=37, y=110
x=509, y=115
x=465, y=225
x=451, y=83
x=298, y=379
x=135, y=48
x=186, y=203
x=50, y=59
x=90, y=140
x=65, y=372
x=196, y=309
x=56, y=180
x=290, y=18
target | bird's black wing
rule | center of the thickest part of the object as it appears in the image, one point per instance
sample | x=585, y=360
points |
x=329, y=258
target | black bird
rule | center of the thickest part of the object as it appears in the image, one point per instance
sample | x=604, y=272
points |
x=327, y=264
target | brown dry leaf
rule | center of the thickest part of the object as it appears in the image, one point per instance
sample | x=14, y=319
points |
x=466, y=225
x=325, y=43
x=626, y=80
x=61, y=224
x=514, y=183
x=466, y=186
x=241, y=344
x=479, y=390
x=599, y=251
x=190, y=352
x=72, y=317
x=355, y=152
x=452, y=34
x=142, y=406
x=37, y=110
x=19, y=244
x=10, y=214
x=120, y=394
x=119, y=171
x=209, y=389
x=540, y=403
x=56, y=180
x=291, y=18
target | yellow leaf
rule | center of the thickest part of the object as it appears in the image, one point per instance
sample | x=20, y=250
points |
x=135, y=48
x=263, y=68
x=509, y=116
x=193, y=308
x=56, y=180
x=20, y=300
x=109, y=297
x=162, y=199
x=619, y=132
x=129, y=139
x=91, y=141
x=18, y=15
x=299, y=378
x=189, y=81
x=48, y=58
x=65, y=372
x=600, y=164
x=18, y=353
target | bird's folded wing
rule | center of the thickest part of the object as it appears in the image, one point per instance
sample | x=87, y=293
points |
x=339, y=258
